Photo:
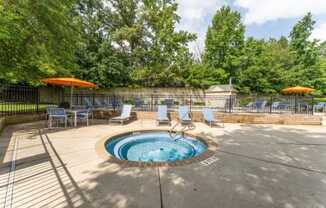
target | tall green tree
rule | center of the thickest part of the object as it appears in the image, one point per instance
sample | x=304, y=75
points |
x=167, y=52
x=305, y=69
x=264, y=65
x=37, y=39
x=225, y=42
x=98, y=61
x=145, y=32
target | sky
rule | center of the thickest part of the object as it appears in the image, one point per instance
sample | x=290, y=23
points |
x=262, y=18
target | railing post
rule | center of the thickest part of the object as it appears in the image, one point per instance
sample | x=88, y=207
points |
x=93, y=99
x=271, y=105
x=152, y=101
x=37, y=99
x=113, y=102
x=190, y=103
x=312, y=105
x=230, y=104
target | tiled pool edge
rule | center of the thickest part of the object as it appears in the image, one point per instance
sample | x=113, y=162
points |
x=101, y=151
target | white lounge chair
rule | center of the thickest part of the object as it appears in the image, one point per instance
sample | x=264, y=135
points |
x=162, y=115
x=184, y=115
x=125, y=115
x=209, y=117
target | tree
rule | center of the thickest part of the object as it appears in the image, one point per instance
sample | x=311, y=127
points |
x=305, y=69
x=225, y=41
x=145, y=32
x=98, y=61
x=265, y=65
x=37, y=39
x=202, y=76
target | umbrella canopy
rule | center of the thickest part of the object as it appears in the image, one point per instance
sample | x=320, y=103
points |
x=71, y=82
x=67, y=81
x=297, y=90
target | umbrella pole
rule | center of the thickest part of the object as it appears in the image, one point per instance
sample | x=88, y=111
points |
x=295, y=104
x=71, y=93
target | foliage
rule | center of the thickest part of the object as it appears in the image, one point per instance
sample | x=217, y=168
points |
x=225, y=41
x=37, y=39
x=203, y=76
x=98, y=61
x=135, y=43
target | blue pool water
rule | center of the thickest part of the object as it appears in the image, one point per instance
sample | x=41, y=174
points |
x=154, y=147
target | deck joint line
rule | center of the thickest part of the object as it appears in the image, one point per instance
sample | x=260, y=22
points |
x=11, y=177
x=160, y=186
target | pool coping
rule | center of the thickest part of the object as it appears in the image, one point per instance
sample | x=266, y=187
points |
x=101, y=151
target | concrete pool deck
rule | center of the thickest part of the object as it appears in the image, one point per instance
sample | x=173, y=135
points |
x=254, y=166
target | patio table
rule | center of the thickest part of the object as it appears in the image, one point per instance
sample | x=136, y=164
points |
x=74, y=113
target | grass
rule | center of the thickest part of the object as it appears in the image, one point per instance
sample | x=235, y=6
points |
x=20, y=107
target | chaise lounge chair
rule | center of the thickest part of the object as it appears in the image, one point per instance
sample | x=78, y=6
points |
x=184, y=115
x=125, y=115
x=162, y=115
x=209, y=117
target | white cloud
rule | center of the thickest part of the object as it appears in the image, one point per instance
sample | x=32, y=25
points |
x=195, y=16
x=261, y=11
x=319, y=32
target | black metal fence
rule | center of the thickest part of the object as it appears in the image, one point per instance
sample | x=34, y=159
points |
x=24, y=99
x=228, y=104
x=18, y=100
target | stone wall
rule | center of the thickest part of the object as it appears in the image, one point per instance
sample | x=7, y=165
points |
x=252, y=118
x=141, y=91
x=16, y=119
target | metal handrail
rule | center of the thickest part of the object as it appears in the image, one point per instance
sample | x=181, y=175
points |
x=174, y=126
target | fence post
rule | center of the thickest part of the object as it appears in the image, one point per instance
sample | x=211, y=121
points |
x=152, y=102
x=271, y=105
x=190, y=103
x=114, y=102
x=312, y=105
x=37, y=99
x=230, y=104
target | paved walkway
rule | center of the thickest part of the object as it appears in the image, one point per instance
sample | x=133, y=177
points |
x=255, y=166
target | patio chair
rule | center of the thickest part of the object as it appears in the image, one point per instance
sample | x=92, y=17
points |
x=319, y=106
x=209, y=117
x=275, y=105
x=84, y=115
x=56, y=114
x=184, y=115
x=88, y=102
x=101, y=102
x=260, y=104
x=250, y=106
x=98, y=103
x=138, y=102
x=125, y=115
x=115, y=102
x=280, y=106
x=169, y=102
x=162, y=115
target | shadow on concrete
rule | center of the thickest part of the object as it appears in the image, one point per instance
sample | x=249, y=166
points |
x=255, y=166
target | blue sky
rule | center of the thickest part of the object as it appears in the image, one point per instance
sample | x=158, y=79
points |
x=263, y=18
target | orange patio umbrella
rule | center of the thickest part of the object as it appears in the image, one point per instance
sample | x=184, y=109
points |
x=68, y=81
x=297, y=90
